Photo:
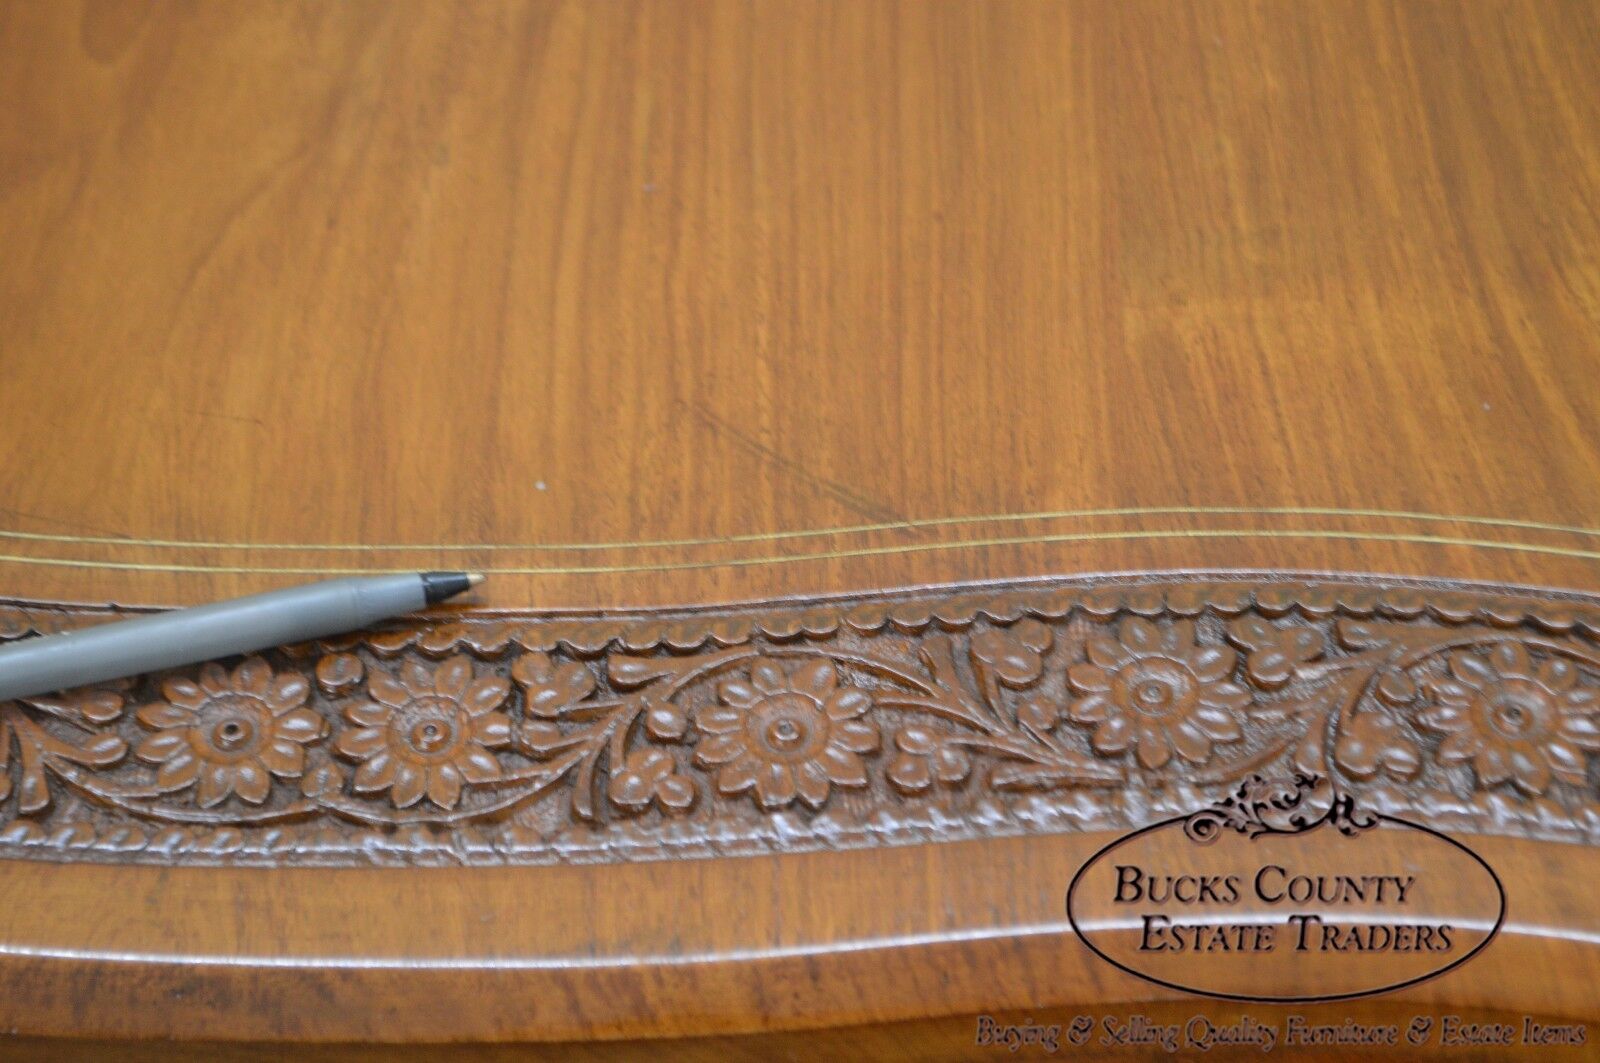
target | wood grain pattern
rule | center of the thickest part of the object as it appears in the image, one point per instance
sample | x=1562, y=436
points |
x=662, y=949
x=616, y=273
x=643, y=305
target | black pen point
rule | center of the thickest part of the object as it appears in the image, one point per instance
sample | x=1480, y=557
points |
x=437, y=586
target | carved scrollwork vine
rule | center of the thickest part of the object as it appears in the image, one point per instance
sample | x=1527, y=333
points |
x=880, y=719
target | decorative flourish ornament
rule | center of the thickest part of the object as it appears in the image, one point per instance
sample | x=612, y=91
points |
x=788, y=734
x=1513, y=719
x=229, y=734
x=427, y=734
x=878, y=720
x=1159, y=691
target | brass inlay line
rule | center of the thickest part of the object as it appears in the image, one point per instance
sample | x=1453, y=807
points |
x=834, y=555
x=810, y=533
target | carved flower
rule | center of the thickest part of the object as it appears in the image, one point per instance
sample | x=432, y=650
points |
x=1014, y=652
x=1157, y=692
x=786, y=735
x=1370, y=741
x=427, y=733
x=922, y=758
x=1275, y=652
x=1514, y=719
x=549, y=687
x=1039, y=715
x=229, y=733
x=651, y=775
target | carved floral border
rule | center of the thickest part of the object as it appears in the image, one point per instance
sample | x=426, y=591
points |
x=893, y=718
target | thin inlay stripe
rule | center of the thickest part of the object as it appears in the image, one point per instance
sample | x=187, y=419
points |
x=835, y=555
x=811, y=533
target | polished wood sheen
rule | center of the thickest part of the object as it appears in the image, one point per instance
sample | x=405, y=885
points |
x=643, y=305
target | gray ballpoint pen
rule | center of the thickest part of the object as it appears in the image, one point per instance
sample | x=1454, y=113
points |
x=240, y=625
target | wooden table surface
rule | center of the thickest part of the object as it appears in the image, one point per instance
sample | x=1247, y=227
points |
x=826, y=290
x=647, y=304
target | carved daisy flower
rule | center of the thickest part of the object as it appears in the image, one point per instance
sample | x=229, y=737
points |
x=1160, y=692
x=787, y=734
x=427, y=733
x=1514, y=719
x=228, y=734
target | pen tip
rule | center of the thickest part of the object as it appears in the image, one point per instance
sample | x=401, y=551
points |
x=438, y=586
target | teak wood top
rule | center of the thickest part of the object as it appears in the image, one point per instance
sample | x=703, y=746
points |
x=564, y=279
x=639, y=305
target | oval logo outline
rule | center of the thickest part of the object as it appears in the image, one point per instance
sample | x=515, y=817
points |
x=1246, y=998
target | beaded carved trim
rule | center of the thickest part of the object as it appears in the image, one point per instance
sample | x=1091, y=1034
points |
x=876, y=719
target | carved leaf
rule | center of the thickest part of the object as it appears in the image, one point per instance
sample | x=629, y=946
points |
x=495, y=731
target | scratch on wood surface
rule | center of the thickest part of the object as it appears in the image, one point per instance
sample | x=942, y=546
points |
x=851, y=499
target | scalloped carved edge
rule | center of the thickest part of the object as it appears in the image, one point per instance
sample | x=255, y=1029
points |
x=888, y=718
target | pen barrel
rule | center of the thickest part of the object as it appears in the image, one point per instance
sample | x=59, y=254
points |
x=185, y=636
